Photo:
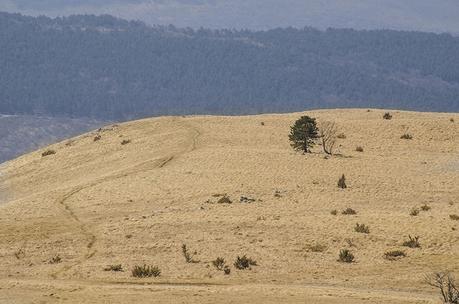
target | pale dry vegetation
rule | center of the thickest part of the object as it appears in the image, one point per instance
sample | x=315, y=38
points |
x=284, y=211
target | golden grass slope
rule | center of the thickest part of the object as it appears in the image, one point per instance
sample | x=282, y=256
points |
x=98, y=203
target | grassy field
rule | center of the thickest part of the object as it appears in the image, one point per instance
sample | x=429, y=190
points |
x=134, y=193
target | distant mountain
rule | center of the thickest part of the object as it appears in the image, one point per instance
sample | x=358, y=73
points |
x=107, y=68
x=21, y=134
x=419, y=15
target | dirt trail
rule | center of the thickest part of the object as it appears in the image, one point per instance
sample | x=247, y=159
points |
x=136, y=168
x=331, y=290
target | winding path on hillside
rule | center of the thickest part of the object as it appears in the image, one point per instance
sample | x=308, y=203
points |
x=136, y=168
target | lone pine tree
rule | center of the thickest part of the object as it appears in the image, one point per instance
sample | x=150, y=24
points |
x=303, y=134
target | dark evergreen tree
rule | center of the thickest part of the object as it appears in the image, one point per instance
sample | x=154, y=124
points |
x=304, y=133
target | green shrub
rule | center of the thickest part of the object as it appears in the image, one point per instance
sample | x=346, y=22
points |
x=145, y=271
x=219, y=263
x=387, y=116
x=244, y=262
x=454, y=217
x=362, y=228
x=334, y=212
x=48, y=153
x=345, y=256
x=349, y=211
x=412, y=242
x=188, y=257
x=406, y=136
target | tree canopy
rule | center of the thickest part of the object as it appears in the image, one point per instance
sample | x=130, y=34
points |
x=304, y=133
x=103, y=67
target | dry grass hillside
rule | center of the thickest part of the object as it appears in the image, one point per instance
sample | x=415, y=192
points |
x=97, y=202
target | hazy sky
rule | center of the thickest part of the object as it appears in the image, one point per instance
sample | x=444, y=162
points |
x=426, y=15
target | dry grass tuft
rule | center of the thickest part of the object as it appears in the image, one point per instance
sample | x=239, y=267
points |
x=145, y=271
x=244, y=262
x=412, y=242
x=362, y=228
x=48, y=153
x=346, y=256
x=115, y=268
x=349, y=211
x=394, y=255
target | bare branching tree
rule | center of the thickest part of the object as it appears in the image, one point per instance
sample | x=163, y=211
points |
x=444, y=281
x=327, y=132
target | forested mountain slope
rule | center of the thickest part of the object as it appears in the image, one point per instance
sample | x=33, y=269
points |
x=423, y=15
x=114, y=69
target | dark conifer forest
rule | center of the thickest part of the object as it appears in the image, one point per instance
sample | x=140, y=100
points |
x=111, y=69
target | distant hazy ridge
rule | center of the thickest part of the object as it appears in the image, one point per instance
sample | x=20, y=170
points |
x=86, y=66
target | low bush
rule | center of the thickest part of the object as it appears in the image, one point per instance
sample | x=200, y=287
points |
x=189, y=258
x=245, y=199
x=224, y=200
x=244, y=262
x=115, y=268
x=349, y=211
x=414, y=212
x=412, y=242
x=387, y=116
x=406, y=136
x=145, y=271
x=342, y=182
x=55, y=260
x=394, y=255
x=359, y=149
x=362, y=228
x=346, y=256
x=48, y=153
x=425, y=207
x=219, y=263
